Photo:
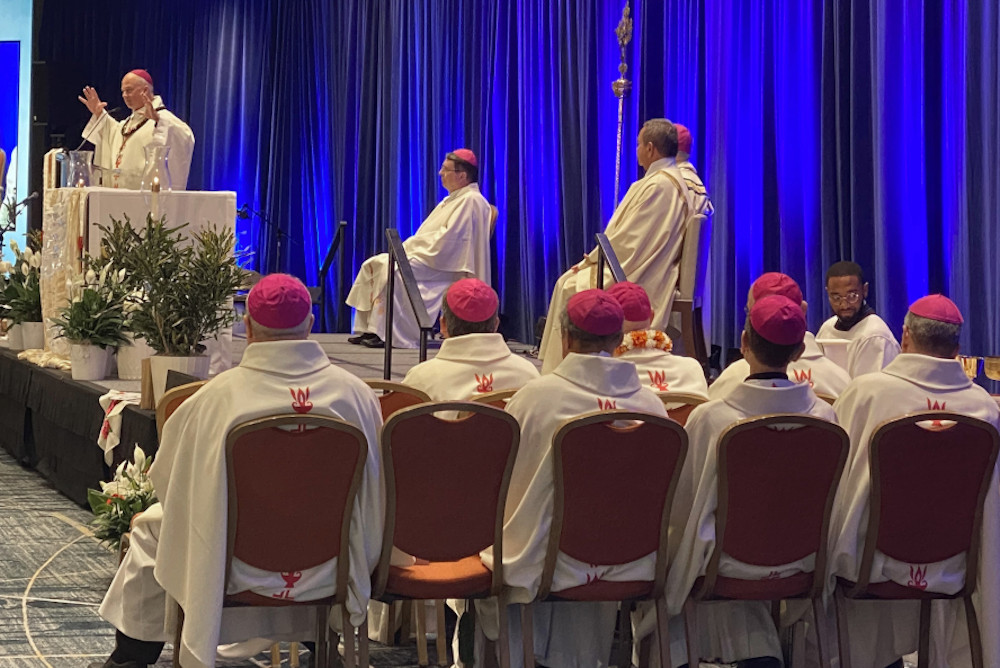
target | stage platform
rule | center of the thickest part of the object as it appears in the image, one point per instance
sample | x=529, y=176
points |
x=51, y=422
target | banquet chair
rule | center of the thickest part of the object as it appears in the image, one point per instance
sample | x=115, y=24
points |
x=171, y=401
x=316, y=462
x=446, y=485
x=494, y=214
x=393, y=396
x=496, y=398
x=930, y=473
x=680, y=404
x=689, y=300
x=615, y=473
x=777, y=478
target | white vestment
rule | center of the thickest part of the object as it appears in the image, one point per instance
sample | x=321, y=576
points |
x=566, y=634
x=188, y=547
x=662, y=371
x=882, y=632
x=872, y=344
x=729, y=631
x=822, y=374
x=647, y=234
x=468, y=365
x=699, y=194
x=453, y=242
x=117, y=147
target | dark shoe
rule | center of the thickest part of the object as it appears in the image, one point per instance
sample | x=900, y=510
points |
x=373, y=342
x=361, y=338
x=114, y=664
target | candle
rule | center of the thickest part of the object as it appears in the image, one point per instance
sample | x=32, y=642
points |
x=156, y=197
x=79, y=183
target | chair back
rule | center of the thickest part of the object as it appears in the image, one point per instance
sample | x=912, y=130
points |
x=694, y=258
x=171, y=400
x=393, y=396
x=494, y=214
x=778, y=475
x=496, y=398
x=446, y=482
x=615, y=476
x=281, y=471
x=930, y=473
x=828, y=398
x=680, y=404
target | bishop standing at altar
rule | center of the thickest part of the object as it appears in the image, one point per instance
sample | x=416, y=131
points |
x=646, y=232
x=121, y=145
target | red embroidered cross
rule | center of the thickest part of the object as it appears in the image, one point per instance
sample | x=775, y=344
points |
x=658, y=380
x=484, y=383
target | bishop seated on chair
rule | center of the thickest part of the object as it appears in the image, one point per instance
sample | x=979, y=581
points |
x=178, y=549
x=453, y=242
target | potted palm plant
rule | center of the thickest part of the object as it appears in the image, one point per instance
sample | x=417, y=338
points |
x=94, y=320
x=186, y=284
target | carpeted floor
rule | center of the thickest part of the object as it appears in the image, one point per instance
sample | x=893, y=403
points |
x=53, y=575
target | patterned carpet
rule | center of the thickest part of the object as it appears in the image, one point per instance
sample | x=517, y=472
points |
x=53, y=575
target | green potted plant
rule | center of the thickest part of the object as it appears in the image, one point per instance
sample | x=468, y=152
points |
x=23, y=294
x=94, y=320
x=186, y=284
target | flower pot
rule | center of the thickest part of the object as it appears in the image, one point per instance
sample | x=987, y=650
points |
x=89, y=362
x=159, y=365
x=15, y=338
x=130, y=358
x=34, y=335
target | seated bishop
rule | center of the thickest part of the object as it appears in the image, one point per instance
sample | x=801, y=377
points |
x=646, y=232
x=452, y=243
x=734, y=631
x=925, y=376
x=474, y=358
x=821, y=373
x=589, y=379
x=649, y=349
x=178, y=550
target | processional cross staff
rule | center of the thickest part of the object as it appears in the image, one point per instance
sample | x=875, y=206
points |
x=621, y=86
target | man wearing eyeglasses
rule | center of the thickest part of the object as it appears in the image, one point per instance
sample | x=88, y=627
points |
x=871, y=342
x=452, y=243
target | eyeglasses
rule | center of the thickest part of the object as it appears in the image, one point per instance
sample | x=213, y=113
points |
x=852, y=297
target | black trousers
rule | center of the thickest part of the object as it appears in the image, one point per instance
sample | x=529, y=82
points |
x=130, y=650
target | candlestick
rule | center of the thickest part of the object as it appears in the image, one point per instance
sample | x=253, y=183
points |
x=156, y=197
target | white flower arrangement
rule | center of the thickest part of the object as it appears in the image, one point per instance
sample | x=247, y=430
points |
x=128, y=494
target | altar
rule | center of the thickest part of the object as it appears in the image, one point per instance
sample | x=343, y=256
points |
x=72, y=220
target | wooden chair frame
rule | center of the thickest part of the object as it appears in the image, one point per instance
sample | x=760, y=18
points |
x=705, y=592
x=860, y=588
x=177, y=394
x=496, y=398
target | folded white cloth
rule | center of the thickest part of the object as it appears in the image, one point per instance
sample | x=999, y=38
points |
x=113, y=403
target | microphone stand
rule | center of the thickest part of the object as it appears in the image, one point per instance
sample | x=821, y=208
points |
x=8, y=223
x=245, y=213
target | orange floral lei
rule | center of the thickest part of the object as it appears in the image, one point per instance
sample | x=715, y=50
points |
x=649, y=339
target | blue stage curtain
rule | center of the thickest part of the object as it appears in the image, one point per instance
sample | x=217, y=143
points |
x=824, y=131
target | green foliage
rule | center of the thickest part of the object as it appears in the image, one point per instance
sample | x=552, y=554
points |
x=131, y=492
x=22, y=298
x=184, y=283
x=93, y=317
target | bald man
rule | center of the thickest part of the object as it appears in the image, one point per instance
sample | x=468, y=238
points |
x=121, y=145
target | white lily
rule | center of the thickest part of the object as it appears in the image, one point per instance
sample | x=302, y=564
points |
x=104, y=274
x=4, y=267
x=36, y=261
x=121, y=275
x=28, y=254
x=25, y=269
x=91, y=277
x=14, y=247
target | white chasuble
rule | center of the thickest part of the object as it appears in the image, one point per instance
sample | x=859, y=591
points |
x=452, y=243
x=188, y=547
x=822, y=374
x=121, y=145
x=647, y=234
x=882, y=632
x=661, y=370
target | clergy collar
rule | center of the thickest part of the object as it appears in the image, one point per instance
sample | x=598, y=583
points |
x=846, y=325
x=598, y=373
x=755, y=398
x=662, y=163
x=934, y=373
x=767, y=375
x=473, y=348
x=285, y=358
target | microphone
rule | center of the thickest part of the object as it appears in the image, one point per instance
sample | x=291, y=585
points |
x=86, y=137
x=27, y=199
x=243, y=213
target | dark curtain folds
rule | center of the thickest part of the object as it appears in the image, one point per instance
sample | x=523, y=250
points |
x=824, y=131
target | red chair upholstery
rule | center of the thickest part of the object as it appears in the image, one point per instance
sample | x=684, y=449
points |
x=930, y=473
x=778, y=475
x=615, y=476
x=446, y=486
x=393, y=396
x=315, y=462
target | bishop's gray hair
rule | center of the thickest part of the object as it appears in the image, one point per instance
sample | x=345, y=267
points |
x=662, y=134
x=933, y=337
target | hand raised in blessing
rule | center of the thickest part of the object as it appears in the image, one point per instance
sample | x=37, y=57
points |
x=92, y=101
x=147, y=109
